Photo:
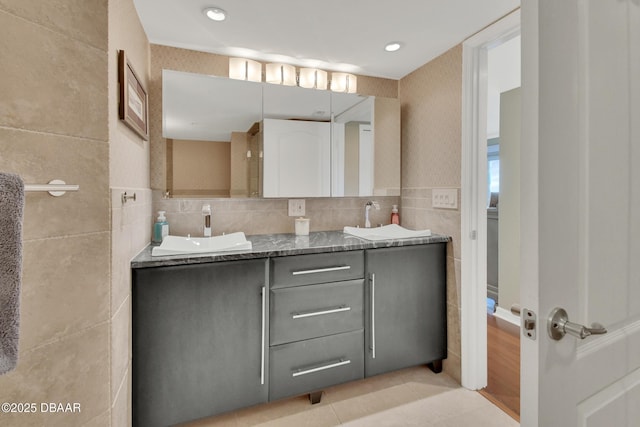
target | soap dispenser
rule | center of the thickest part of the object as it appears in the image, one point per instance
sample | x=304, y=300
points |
x=395, y=216
x=160, y=228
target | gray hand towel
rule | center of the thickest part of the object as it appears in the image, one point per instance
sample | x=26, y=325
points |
x=11, y=211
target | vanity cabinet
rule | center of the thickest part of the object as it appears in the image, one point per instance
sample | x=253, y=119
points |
x=212, y=336
x=199, y=336
x=317, y=321
x=406, y=322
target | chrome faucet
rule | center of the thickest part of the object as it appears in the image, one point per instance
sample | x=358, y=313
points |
x=367, y=208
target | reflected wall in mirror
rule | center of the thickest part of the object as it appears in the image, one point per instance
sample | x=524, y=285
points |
x=352, y=146
x=211, y=125
x=237, y=154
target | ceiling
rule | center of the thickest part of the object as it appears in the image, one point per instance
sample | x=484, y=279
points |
x=334, y=35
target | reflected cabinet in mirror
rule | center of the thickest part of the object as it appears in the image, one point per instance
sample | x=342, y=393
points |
x=232, y=138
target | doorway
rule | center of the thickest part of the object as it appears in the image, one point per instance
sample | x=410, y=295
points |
x=475, y=198
x=503, y=225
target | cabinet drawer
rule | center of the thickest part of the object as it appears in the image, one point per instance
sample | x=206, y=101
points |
x=304, y=312
x=312, y=365
x=316, y=268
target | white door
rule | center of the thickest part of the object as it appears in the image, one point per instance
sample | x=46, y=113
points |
x=581, y=209
x=297, y=158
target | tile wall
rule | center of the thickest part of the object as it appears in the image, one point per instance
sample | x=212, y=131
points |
x=266, y=216
x=53, y=125
x=130, y=221
x=431, y=99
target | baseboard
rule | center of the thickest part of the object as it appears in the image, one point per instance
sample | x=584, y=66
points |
x=503, y=314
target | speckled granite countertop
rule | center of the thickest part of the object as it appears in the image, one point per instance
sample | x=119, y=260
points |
x=273, y=245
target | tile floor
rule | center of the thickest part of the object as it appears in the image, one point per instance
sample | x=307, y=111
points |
x=410, y=397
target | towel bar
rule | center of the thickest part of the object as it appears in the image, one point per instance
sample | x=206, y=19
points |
x=55, y=187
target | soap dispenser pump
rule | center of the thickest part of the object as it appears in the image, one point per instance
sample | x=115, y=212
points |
x=395, y=216
x=160, y=228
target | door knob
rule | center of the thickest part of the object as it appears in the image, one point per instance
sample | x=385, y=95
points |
x=558, y=326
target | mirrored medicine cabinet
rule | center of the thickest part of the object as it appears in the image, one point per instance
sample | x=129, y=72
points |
x=232, y=138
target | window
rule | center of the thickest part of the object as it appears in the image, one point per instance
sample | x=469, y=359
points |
x=493, y=170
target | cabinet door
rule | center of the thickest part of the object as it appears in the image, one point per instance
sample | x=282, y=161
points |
x=197, y=340
x=406, y=322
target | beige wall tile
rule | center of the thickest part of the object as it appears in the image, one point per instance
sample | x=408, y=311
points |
x=101, y=420
x=121, y=415
x=129, y=153
x=74, y=369
x=78, y=19
x=453, y=293
x=69, y=98
x=53, y=120
x=266, y=216
x=65, y=287
x=130, y=232
x=120, y=346
x=452, y=365
x=431, y=99
x=39, y=158
x=129, y=165
x=453, y=329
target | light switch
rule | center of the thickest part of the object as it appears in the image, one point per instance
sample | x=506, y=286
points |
x=445, y=198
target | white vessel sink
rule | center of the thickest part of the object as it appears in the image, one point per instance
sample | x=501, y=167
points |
x=176, y=245
x=386, y=232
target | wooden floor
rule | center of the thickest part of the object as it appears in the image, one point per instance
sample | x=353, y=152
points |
x=503, y=360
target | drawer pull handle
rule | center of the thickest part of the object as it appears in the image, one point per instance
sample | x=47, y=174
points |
x=373, y=315
x=264, y=311
x=321, y=270
x=342, y=362
x=320, y=313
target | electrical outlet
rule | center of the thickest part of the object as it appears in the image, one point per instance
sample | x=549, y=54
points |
x=296, y=207
x=446, y=198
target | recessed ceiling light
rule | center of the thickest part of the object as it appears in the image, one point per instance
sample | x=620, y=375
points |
x=215, y=13
x=392, y=47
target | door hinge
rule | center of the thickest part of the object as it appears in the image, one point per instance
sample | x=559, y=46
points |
x=473, y=235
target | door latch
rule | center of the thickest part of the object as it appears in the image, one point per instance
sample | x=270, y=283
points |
x=528, y=320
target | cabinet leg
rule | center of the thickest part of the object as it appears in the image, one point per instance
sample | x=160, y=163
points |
x=315, y=397
x=435, y=366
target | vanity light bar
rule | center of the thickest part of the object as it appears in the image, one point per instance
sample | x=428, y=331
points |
x=285, y=74
x=245, y=69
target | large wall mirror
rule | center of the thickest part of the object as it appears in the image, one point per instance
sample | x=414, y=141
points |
x=231, y=138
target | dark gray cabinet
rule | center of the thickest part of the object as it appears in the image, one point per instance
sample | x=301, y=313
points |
x=213, y=337
x=198, y=340
x=317, y=320
x=406, y=317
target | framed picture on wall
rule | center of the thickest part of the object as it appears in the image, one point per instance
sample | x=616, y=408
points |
x=133, y=106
